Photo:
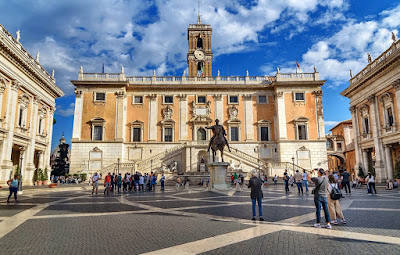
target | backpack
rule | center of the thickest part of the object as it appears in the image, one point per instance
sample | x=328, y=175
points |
x=335, y=193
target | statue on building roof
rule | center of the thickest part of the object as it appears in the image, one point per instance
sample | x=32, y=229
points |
x=218, y=73
x=18, y=35
x=122, y=70
x=52, y=73
x=37, y=56
x=369, y=58
x=393, y=37
x=81, y=70
x=351, y=73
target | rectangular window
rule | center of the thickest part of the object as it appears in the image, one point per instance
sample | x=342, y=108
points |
x=40, y=126
x=233, y=99
x=264, y=133
x=366, y=125
x=136, y=134
x=302, y=131
x=339, y=146
x=390, y=117
x=201, y=99
x=138, y=100
x=98, y=133
x=299, y=96
x=262, y=99
x=100, y=96
x=168, y=99
x=21, y=115
x=168, y=134
x=234, y=134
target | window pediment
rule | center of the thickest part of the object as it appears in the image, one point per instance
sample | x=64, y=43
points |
x=301, y=119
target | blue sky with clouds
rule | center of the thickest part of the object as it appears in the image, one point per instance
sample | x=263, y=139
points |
x=259, y=36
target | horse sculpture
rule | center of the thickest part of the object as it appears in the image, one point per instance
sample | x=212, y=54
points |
x=218, y=141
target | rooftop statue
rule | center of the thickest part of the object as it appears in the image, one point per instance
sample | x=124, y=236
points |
x=218, y=140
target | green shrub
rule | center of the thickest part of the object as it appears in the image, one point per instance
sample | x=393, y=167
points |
x=397, y=170
x=360, y=172
x=83, y=177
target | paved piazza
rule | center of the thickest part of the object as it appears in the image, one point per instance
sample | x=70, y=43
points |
x=69, y=220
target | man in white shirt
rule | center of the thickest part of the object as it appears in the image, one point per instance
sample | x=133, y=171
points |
x=95, y=180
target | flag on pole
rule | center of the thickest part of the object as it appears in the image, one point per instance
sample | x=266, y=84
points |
x=201, y=66
x=298, y=67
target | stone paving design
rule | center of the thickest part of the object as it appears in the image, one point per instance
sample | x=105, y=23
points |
x=71, y=220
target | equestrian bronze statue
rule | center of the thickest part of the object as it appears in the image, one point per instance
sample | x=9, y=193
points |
x=218, y=140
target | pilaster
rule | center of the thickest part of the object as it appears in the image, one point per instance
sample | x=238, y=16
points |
x=281, y=114
x=397, y=88
x=153, y=117
x=50, y=118
x=389, y=162
x=183, y=114
x=31, y=147
x=120, y=127
x=219, y=110
x=76, y=133
x=356, y=134
x=319, y=114
x=248, y=116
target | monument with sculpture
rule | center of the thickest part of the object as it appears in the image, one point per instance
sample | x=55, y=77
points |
x=218, y=168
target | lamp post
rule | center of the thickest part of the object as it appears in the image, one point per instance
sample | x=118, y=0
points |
x=293, y=165
x=21, y=151
x=258, y=161
x=118, y=167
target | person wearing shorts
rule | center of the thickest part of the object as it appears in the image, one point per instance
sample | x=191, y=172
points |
x=95, y=180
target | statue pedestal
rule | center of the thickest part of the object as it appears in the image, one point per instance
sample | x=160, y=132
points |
x=218, y=175
x=202, y=167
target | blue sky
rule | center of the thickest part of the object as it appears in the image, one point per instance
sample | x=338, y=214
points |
x=259, y=36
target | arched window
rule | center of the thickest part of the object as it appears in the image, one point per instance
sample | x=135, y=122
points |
x=199, y=43
x=201, y=134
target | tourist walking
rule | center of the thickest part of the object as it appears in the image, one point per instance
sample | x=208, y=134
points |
x=125, y=182
x=371, y=183
x=141, y=182
x=119, y=182
x=275, y=180
x=162, y=180
x=13, y=187
x=335, y=211
x=112, y=182
x=305, y=182
x=298, y=178
x=95, y=180
x=136, y=180
x=153, y=182
x=107, y=183
x=346, y=180
x=256, y=195
x=321, y=197
x=286, y=179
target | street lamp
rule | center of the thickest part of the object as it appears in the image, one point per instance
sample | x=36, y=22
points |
x=118, y=167
x=258, y=161
x=21, y=151
x=293, y=164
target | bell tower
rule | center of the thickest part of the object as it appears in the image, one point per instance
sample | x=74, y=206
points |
x=199, y=56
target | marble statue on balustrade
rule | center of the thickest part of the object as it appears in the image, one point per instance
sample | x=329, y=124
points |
x=218, y=140
x=174, y=167
x=235, y=167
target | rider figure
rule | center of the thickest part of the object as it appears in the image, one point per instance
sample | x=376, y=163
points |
x=213, y=128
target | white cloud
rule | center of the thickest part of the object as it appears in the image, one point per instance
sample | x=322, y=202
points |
x=331, y=123
x=65, y=112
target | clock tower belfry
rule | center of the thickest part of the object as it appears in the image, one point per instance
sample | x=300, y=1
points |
x=199, y=56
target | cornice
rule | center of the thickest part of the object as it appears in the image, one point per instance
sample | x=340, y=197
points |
x=15, y=53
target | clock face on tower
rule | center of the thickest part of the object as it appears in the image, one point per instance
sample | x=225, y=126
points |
x=199, y=54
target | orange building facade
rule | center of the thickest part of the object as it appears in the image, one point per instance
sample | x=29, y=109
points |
x=148, y=123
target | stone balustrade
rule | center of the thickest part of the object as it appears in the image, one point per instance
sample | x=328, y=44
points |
x=178, y=80
x=395, y=48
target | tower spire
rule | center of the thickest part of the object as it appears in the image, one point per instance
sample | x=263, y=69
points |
x=198, y=12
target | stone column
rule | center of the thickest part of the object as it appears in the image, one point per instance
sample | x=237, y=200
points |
x=379, y=166
x=219, y=109
x=281, y=115
x=119, y=119
x=153, y=117
x=30, y=152
x=183, y=118
x=50, y=117
x=40, y=162
x=389, y=162
x=356, y=134
x=319, y=114
x=2, y=89
x=248, y=117
x=10, y=124
x=397, y=87
x=76, y=133
x=365, y=160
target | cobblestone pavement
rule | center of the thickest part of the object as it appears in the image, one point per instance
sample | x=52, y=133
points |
x=72, y=221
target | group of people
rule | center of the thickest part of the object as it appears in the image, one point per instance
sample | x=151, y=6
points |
x=299, y=178
x=128, y=183
x=237, y=179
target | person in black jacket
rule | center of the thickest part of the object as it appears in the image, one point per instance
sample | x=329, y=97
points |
x=256, y=195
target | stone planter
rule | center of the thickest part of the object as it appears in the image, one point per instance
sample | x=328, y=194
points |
x=39, y=183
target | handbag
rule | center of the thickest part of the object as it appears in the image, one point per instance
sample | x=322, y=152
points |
x=313, y=191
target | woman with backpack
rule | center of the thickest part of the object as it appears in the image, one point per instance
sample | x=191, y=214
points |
x=333, y=201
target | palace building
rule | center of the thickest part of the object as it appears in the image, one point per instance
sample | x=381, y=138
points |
x=148, y=123
x=27, y=105
x=374, y=95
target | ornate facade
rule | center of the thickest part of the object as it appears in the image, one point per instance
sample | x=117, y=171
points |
x=146, y=123
x=27, y=105
x=375, y=107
